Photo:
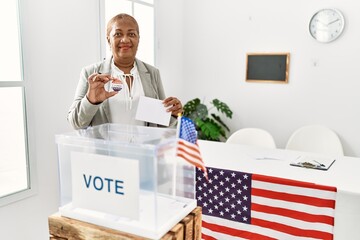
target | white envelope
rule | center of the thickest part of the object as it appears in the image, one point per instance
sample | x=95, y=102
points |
x=152, y=110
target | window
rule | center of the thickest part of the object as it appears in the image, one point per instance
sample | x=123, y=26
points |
x=14, y=162
x=143, y=12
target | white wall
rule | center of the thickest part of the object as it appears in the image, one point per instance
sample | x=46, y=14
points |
x=59, y=37
x=324, y=82
x=169, y=44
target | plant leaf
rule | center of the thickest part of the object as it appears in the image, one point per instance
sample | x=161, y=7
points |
x=222, y=107
x=201, y=111
x=190, y=108
x=210, y=130
x=195, y=109
x=218, y=119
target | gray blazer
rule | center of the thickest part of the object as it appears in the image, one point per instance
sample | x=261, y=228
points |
x=83, y=114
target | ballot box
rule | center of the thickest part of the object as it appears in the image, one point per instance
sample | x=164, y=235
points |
x=126, y=178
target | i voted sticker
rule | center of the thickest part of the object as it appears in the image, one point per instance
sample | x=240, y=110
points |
x=116, y=85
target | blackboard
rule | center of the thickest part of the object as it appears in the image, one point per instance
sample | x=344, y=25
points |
x=268, y=67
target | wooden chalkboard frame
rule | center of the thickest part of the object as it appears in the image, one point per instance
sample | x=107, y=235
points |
x=267, y=67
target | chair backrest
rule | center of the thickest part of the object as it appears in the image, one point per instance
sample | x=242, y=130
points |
x=252, y=136
x=317, y=139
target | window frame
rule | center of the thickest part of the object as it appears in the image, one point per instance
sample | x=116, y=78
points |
x=30, y=161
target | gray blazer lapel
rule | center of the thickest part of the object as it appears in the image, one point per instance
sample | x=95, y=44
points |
x=146, y=80
x=105, y=67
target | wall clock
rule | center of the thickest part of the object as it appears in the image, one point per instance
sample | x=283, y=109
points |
x=326, y=25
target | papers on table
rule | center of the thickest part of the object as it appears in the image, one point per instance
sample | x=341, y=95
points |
x=305, y=161
x=314, y=162
x=270, y=155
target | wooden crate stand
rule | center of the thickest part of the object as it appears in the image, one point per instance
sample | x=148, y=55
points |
x=63, y=228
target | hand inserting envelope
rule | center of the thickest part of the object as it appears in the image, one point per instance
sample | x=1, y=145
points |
x=152, y=110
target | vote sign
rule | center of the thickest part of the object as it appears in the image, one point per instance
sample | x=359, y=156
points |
x=105, y=184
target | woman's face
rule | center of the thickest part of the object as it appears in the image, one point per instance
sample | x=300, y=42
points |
x=124, y=40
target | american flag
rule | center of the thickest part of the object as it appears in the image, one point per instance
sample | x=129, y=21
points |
x=239, y=205
x=187, y=147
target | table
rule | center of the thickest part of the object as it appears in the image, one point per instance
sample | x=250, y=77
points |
x=63, y=228
x=343, y=174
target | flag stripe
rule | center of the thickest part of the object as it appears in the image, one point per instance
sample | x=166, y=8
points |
x=235, y=232
x=248, y=228
x=207, y=237
x=320, y=193
x=293, y=214
x=189, y=152
x=192, y=161
x=190, y=146
x=189, y=157
x=207, y=234
x=292, y=230
x=293, y=198
x=292, y=222
x=290, y=182
x=289, y=205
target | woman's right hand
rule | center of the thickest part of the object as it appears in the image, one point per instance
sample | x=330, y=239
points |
x=96, y=92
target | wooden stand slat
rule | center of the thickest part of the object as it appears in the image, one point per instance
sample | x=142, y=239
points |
x=176, y=233
x=196, y=213
x=63, y=228
x=188, y=223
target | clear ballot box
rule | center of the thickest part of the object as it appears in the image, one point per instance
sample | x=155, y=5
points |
x=123, y=177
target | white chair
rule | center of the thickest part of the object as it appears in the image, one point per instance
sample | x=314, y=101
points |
x=316, y=139
x=252, y=136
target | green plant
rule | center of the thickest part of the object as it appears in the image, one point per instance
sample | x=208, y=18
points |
x=209, y=125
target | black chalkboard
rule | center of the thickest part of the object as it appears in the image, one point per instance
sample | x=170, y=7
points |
x=269, y=67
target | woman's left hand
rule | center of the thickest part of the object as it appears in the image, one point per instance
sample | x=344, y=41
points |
x=173, y=105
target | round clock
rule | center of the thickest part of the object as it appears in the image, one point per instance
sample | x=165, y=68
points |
x=326, y=25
